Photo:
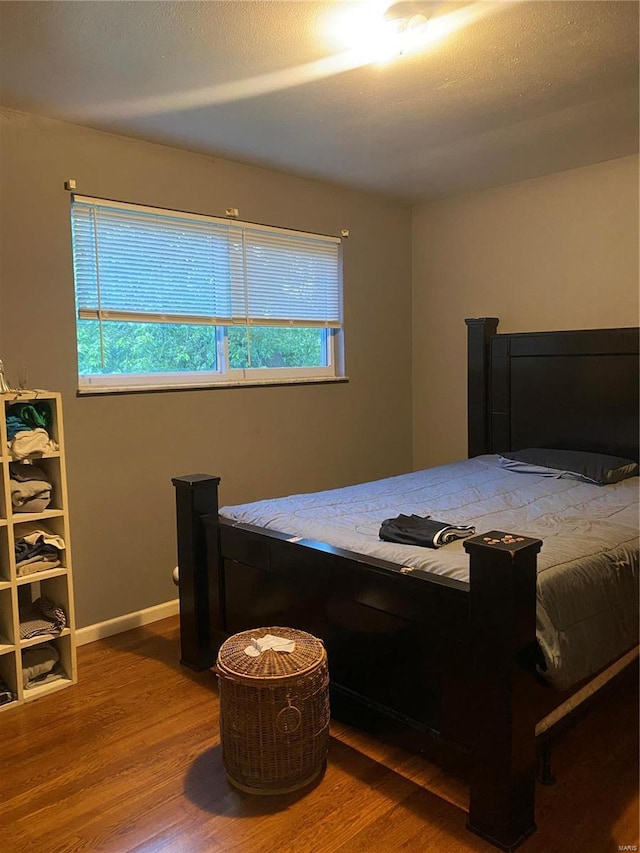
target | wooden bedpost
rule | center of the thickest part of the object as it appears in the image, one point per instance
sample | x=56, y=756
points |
x=479, y=332
x=197, y=500
x=502, y=618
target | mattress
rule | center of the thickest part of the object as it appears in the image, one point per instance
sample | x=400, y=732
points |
x=587, y=595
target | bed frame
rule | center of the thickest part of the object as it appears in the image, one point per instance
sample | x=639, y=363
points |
x=454, y=663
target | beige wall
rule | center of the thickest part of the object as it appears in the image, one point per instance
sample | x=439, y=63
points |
x=558, y=252
x=555, y=252
x=123, y=450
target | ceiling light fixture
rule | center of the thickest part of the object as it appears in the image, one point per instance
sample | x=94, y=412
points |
x=407, y=14
x=419, y=23
x=377, y=32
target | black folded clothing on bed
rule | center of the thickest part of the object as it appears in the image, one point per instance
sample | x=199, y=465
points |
x=424, y=531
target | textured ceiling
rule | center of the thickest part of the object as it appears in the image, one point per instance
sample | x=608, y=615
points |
x=524, y=89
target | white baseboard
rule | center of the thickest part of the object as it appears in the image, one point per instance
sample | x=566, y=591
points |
x=126, y=622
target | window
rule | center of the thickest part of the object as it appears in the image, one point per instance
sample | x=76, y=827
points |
x=167, y=299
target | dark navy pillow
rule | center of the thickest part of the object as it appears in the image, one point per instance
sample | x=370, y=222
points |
x=590, y=467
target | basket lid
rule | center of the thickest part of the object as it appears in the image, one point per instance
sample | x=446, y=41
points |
x=307, y=654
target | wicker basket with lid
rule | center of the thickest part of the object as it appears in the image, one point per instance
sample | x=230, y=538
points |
x=274, y=711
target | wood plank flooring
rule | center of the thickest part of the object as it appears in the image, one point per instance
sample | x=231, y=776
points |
x=130, y=760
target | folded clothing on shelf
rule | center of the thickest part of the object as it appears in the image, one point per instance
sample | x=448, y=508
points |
x=39, y=664
x=42, y=562
x=30, y=487
x=31, y=444
x=40, y=617
x=36, y=548
x=425, y=531
x=28, y=416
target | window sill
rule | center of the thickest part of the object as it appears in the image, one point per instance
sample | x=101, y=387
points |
x=149, y=389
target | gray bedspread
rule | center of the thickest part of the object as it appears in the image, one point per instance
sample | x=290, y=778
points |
x=587, y=610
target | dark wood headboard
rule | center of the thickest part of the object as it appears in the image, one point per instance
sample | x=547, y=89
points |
x=573, y=390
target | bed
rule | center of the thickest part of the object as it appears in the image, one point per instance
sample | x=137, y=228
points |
x=472, y=649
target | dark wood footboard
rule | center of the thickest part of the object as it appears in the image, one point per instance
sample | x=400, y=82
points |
x=502, y=630
x=449, y=660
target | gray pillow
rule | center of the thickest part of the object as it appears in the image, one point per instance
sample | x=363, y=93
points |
x=590, y=467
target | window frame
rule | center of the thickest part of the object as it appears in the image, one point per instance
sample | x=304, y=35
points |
x=227, y=376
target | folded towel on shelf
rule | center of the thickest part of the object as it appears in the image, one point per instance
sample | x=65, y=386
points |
x=34, y=443
x=425, y=531
x=53, y=675
x=30, y=487
x=39, y=563
x=37, y=662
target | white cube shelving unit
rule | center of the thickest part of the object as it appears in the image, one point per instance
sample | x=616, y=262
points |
x=56, y=584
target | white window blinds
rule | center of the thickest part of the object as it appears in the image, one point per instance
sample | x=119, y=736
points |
x=141, y=264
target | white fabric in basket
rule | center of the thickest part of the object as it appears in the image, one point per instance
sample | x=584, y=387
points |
x=269, y=641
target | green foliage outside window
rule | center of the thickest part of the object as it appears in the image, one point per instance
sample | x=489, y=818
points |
x=145, y=348
x=174, y=348
x=272, y=346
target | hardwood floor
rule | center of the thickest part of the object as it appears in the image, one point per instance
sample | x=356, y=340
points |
x=130, y=760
